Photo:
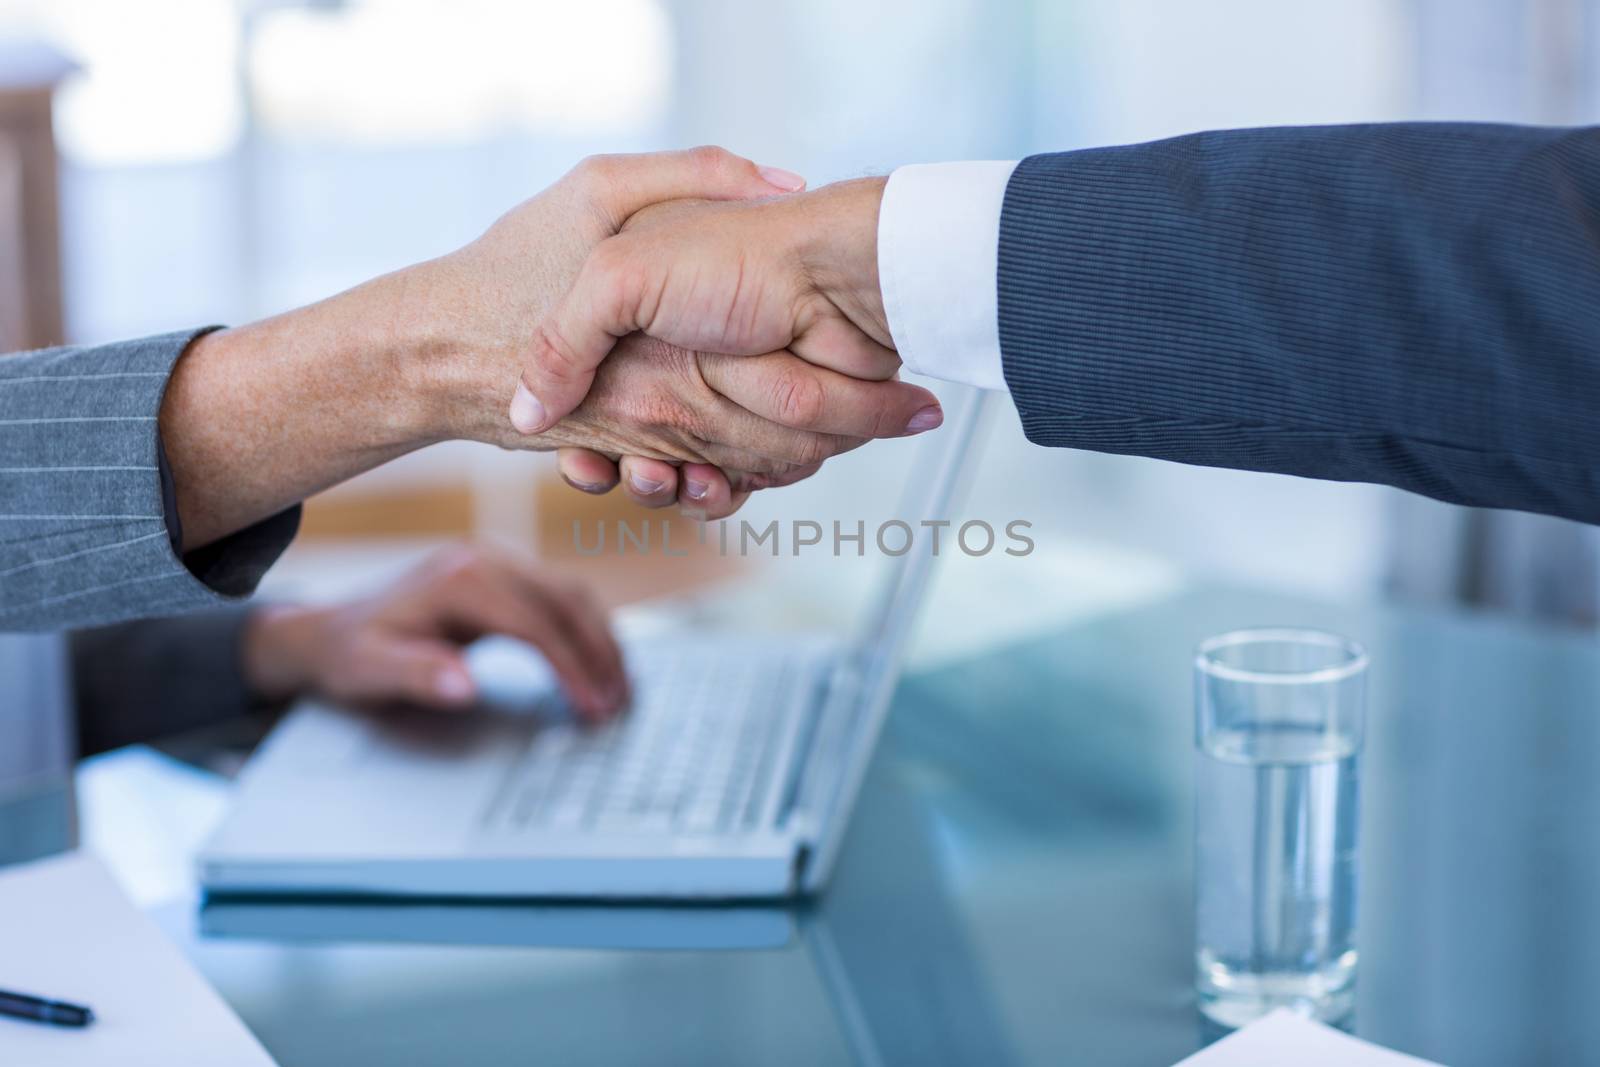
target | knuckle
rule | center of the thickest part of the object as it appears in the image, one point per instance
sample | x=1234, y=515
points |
x=553, y=354
x=710, y=158
x=659, y=408
x=595, y=171
x=794, y=473
x=612, y=270
x=763, y=467
x=885, y=420
x=798, y=399
x=810, y=449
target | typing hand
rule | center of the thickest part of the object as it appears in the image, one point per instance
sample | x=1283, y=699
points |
x=404, y=645
x=796, y=275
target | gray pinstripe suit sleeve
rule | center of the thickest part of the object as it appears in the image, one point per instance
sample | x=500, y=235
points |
x=85, y=533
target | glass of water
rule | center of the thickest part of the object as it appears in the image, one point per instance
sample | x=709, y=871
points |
x=1279, y=718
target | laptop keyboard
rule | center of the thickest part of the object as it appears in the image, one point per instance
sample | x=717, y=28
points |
x=695, y=754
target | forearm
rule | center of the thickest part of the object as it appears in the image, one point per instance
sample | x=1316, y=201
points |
x=254, y=419
x=259, y=417
x=138, y=681
x=97, y=526
x=86, y=531
x=1413, y=305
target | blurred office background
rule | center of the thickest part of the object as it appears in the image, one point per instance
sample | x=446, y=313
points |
x=223, y=159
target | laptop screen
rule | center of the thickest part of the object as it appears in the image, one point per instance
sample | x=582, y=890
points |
x=859, y=700
x=846, y=555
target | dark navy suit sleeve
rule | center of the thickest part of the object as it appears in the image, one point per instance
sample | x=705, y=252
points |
x=1416, y=305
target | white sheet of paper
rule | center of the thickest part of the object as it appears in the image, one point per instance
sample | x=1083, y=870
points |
x=68, y=933
x=1286, y=1038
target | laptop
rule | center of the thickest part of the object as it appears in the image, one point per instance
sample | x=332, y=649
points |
x=733, y=776
x=847, y=950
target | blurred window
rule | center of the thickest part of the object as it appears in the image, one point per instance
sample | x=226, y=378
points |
x=158, y=82
x=161, y=79
x=396, y=71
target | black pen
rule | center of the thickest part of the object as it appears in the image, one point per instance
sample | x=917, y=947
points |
x=44, y=1011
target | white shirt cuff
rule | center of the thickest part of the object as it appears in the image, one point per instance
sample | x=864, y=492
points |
x=938, y=252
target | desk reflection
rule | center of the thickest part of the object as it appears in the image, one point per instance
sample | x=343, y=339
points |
x=885, y=944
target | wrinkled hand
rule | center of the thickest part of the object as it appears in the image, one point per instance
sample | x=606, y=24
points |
x=483, y=301
x=654, y=404
x=405, y=644
x=797, y=275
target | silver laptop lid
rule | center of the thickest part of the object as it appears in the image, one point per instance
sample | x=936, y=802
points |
x=858, y=701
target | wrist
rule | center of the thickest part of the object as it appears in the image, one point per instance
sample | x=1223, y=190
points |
x=840, y=251
x=281, y=650
x=458, y=354
x=430, y=346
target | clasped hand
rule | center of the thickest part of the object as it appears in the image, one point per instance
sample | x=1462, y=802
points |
x=711, y=345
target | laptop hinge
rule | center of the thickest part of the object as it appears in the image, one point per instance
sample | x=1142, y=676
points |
x=791, y=816
x=797, y=871
x=798, y=808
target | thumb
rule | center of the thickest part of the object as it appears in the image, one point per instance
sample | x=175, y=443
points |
x=429, y=673
x=576, y=334
x=602, y=305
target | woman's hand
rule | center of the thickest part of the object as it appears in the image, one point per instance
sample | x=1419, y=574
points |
x=767, y=420
x=258, y=417
x=404, y=645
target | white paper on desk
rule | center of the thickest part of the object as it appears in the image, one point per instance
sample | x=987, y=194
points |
x=68, y=933
x=1283, y=1038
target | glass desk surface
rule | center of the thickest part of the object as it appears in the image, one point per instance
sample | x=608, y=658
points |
x=1016, y=884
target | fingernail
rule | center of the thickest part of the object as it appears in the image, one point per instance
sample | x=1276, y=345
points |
x=696, y=490
x=644, y=486
x=587, y=487
x=527, y=414
x=926, y=419
x=601, y=706
x=787, y=180
x=453, y=685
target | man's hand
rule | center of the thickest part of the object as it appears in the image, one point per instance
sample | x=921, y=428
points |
x=796, y=274
x=767, y=420
x=404, y=645
x=700, y=490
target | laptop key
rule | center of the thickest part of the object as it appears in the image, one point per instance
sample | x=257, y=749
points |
x=694, y=756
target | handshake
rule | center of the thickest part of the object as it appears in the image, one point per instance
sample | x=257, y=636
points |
x=692, y=326
x=686, y=324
